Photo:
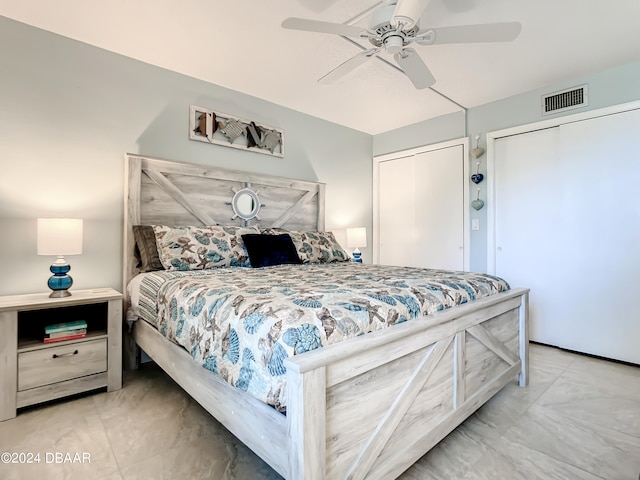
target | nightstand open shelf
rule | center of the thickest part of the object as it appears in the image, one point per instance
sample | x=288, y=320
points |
x=31, y=323
x=32, y=371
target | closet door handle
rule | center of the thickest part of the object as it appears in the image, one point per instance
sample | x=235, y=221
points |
x=75, y=352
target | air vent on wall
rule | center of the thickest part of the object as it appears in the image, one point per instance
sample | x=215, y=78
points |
x=568, y=99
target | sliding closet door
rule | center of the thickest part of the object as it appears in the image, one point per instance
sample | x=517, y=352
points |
x=529, y=217
x=421, y=204
x=568, y=227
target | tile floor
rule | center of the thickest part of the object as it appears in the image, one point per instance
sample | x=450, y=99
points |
x=578, y=419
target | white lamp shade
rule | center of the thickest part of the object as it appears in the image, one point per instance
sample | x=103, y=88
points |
x=59, y=236
x=357, y=237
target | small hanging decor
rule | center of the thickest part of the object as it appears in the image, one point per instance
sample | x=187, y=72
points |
x=477, y=203
x=477, y=177
x=208, y=126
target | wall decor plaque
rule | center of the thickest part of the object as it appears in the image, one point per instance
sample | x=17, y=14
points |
x=209, y=126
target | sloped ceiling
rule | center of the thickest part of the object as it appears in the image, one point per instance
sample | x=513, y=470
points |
x=241, y=45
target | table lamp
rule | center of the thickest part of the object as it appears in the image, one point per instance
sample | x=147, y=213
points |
x=59, y=237
x=356, y=237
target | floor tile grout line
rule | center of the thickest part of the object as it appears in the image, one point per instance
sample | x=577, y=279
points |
x=524, y=412
x=512, y=422
x=587, y=423
x=580, y=424
x=106, y=433
x=500, y=454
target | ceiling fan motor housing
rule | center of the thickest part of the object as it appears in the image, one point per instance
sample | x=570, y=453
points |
x=391, y=38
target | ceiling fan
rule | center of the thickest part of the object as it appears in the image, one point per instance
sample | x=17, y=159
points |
x=393, y=27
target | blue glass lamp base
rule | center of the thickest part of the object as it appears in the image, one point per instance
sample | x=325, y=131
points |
x=60, y=282
x=356, y=257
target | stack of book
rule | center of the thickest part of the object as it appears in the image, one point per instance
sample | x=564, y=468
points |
x=65, y=331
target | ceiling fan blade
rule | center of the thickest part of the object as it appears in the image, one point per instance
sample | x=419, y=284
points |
x=318, y=26
x=487, y=32
x=413, y=66
x=408, y=12
x=348, y=66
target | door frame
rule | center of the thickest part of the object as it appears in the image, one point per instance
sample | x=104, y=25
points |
x=523, y=129
x=464, y=143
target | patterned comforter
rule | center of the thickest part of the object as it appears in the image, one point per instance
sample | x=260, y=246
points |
x=242, y=323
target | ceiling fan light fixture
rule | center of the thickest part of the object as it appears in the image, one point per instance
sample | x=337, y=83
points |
x=393, y=44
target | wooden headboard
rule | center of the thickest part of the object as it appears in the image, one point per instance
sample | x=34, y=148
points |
x=161, y=192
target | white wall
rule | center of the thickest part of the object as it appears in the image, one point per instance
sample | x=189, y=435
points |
x=611, y=87
x=68, y=114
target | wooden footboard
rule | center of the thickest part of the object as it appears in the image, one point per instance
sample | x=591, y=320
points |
x=371, y=407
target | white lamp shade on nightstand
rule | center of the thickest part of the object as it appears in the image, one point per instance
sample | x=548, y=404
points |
x=356, y=238
x=60, y=237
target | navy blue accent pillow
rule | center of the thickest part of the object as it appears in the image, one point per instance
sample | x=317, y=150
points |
x=269, y=250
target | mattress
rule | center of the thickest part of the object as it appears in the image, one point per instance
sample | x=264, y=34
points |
x=242, y=323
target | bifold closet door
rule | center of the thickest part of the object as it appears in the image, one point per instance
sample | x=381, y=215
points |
x=421, y=209
x=396, y=211
x=568, y=226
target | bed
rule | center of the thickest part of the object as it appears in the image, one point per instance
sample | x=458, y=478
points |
x=364, y=407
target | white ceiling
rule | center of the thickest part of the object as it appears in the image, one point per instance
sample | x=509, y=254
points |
x=240, y=45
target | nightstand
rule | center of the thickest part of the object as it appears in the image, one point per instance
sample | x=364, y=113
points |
x=32, y=371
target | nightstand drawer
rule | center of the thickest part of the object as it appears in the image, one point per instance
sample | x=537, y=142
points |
x=55, y=364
